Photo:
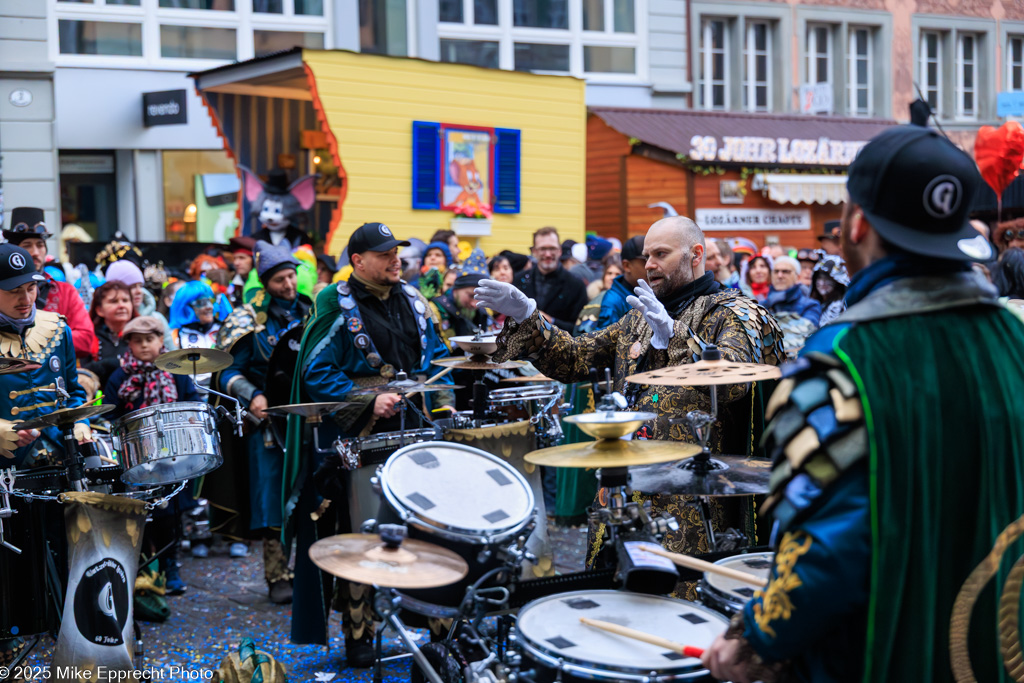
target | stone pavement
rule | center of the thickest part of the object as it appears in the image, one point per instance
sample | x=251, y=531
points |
x=227, y=601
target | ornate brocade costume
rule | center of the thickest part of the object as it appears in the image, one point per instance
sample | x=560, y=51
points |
x=742, y=330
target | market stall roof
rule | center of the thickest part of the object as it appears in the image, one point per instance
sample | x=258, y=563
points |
x=676, y=130
x=805, y=188
x=279, y=74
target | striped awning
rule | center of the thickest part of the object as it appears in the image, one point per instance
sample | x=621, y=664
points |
x=804, y=188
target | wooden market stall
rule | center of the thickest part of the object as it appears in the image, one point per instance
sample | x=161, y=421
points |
x=767, y=177
x=418, y=145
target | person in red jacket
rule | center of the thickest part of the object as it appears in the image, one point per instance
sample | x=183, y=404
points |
x=28, y=231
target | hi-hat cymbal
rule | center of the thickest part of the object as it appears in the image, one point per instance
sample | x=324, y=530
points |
x=180, y=362
x=612, y=453
x=733, y=476
x=464, y=363
x=527, y=378
x=64, y=416
x=10, y=365
x=403, y=387
x=364, y=558
x=705, y=373
x=313, y=412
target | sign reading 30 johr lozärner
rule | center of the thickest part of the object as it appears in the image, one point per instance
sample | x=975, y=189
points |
x=751, y=149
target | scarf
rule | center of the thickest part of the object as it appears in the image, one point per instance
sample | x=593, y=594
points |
x=760, y=290
x=382, y=292
x=19, y=325
x=676, y=302
x=144, y=384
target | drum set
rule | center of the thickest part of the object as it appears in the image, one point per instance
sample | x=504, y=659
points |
x=446, y=535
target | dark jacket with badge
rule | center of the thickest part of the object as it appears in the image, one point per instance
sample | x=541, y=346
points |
x=560, y=294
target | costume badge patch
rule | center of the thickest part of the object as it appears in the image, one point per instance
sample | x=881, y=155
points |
x=55, y=363
x=362, y=341
x=354, y=325
x=634, y=350
x=193, y=339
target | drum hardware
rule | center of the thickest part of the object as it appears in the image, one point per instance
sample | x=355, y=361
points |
x=202, y=361
x=313, y=413
x=65, y=419
x=7, y=478
x=403, y=386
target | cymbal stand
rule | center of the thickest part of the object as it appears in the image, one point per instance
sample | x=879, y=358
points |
x=388, y=604
x=6, y=511
x=239, y=411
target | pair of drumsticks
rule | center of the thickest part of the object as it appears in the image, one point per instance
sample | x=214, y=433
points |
x=682, y=561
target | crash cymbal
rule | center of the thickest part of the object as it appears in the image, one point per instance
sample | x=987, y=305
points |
x=9, y=365
x=403, y=387
x=610, y=424
x=313, y=412
x=484, y=344
x=364, y=558
x=733, y=476
x=705, y=373
x=64, y=416
x=463, y=363
x=612, y=453
x=180, y=362
x=528, y=378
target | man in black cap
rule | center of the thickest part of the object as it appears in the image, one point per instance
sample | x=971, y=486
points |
x=896, y=441
x=28, y=231
x=361, y=333
x=559, y=294
x=829, y=239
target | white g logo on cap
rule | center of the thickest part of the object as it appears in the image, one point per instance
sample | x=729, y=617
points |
x=384, y=230
x=17, y=261
x=942, y=196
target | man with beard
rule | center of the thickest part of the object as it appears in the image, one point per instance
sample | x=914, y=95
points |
x=274, y=310
x=28, y=231
x=560, y=295
x=680, y=297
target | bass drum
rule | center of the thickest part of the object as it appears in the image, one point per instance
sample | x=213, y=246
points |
x=561, y=648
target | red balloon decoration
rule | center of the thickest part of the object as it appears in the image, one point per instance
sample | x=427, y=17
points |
x=999, y=153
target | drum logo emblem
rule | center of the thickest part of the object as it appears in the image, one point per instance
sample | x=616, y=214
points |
x=101, y=603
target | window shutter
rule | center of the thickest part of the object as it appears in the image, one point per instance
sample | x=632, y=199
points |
x=506, y=184
x=426, y=165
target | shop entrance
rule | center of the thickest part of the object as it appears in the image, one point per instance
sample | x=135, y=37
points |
x=88, y=193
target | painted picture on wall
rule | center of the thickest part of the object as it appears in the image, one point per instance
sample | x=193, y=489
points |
x=467, y=158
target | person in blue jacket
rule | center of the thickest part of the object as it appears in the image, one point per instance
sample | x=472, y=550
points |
x=613, y=304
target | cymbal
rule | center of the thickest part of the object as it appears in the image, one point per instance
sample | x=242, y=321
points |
x=737, y=476
x=531, y=378
x=10, y=365
x=206, y=360
x=463, y=363
x=313, y=412
x=610, y=424
x=403, y=387
x=483, y=345
x=363, y=558
x=612, y=453
x=705, y=373
x=64, y=416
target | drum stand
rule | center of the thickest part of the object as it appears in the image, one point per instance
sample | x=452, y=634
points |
x=239, y=411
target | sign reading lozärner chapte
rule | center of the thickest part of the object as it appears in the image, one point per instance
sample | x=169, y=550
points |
x=754, y=219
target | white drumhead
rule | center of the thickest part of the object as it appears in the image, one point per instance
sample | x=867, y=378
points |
x=451, y=486
x=758, y=564
x=552, y=627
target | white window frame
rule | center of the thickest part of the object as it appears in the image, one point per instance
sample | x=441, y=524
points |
x=852, y=56
x=924, y=60
x=707, y=64
x=962, y=65
x=750, y=54
x=1011, y=64
x=812, y=57
x=507, y=35
x=243, y=20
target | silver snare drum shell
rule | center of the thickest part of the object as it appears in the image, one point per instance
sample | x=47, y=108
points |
x=550, y=633
x=728, y=596
x=457, y=492
x=168, y=443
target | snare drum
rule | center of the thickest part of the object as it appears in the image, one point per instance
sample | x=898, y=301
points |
x=519, y=403
x=168, y=443
x=458, y=497
x=37, y=528
x=728, y=596
x=560, y=648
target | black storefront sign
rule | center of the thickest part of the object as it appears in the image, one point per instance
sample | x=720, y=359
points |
x=164, y=108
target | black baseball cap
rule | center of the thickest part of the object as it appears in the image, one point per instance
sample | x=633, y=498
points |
x=915, y=187
x=16, y=267
x=373, y=237
x=831, y=231
x=633, y=248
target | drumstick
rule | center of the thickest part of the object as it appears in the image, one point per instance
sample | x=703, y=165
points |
x=703, y=566
x=106, y=459
x=432, y=380
x=687, y=650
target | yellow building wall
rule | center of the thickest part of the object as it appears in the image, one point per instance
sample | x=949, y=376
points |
x=371, y=101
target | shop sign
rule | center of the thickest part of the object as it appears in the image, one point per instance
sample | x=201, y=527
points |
x=759, y=150
x=754, y=219
x=86, y=163
x=164, y=108
x=816, y=98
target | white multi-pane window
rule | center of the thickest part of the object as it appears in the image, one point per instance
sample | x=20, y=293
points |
x=1015, y=63
x=757, y=67
x=819, y=53
x=185, y=32
x=859, y=87
x=714, y=64
x=967, y=75
x=930, y=64
x=584, y=38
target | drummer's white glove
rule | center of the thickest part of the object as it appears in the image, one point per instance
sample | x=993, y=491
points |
x=83, y=432
x=662, y=325
x=505, y=299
